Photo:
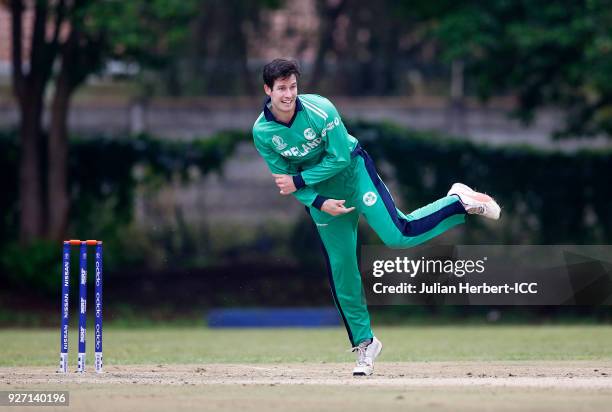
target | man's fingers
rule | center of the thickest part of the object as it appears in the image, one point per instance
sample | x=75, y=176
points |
x=336, y=207
x=341, y=209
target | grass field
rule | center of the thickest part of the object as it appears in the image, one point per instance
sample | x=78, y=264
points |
x=425, y=368
x=23, y=347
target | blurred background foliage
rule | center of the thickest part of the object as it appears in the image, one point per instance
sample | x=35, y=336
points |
x=537, y=56
x=531, y=185
x=104, y=176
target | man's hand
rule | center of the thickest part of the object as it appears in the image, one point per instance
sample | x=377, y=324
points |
x=336, y=207
x=284, y=183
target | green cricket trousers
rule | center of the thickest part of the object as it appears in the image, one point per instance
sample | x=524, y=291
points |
x=361, y=187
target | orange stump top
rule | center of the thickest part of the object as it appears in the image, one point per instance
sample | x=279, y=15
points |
x=77, y=242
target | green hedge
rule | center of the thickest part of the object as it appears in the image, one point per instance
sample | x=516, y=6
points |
x=547, y=197
x=103, y=176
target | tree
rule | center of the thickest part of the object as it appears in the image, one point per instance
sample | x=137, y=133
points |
x=369, y=44
x=220, y=63
x=80, y=55
x=85, y=34
x=29, y=86
x=329, y=12
x=556, y=53
x=147, y=33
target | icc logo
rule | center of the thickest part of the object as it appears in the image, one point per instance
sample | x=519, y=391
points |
x=278, y=142
x=369, y=198
x=309, y=134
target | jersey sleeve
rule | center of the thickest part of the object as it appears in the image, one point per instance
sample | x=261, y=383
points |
x=277, y=164
x=337, y=145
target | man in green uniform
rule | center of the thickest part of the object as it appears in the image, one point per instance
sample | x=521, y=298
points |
x=313, y=157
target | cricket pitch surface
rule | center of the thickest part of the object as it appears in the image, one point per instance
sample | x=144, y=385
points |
x=430, y=386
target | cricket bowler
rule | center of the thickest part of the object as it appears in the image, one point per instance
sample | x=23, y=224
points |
x=312, y=156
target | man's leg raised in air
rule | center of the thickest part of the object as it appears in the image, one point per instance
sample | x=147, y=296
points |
x=398, y=230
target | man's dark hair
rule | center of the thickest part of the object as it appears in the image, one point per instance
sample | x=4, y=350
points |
x=279, y=69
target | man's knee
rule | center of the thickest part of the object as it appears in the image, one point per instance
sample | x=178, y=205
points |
x=400, y=241
x=343, y=262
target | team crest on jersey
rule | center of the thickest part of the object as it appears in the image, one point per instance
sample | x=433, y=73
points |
x=278, y=142
x=369, y=198
x=309, y=134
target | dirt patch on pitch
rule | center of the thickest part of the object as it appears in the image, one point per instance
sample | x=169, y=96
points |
x=553, y=374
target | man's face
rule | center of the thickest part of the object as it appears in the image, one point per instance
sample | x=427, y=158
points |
x=283, y=94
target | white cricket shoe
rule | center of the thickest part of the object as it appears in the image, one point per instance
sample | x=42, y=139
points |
x=476, y=203
x=367, y=351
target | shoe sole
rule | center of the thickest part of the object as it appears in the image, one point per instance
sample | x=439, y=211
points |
x=375, y=356
x=470, y=193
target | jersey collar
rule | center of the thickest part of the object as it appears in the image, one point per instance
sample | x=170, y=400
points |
x=270, y=116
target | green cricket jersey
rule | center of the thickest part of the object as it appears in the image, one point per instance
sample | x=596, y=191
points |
x=312, y=147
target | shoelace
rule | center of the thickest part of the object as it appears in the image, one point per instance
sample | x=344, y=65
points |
x=361, y=352
x=476, y=210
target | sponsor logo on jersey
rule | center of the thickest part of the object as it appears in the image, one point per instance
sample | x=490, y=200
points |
x=278, y=142
x=309, y=134
x=369, y=198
